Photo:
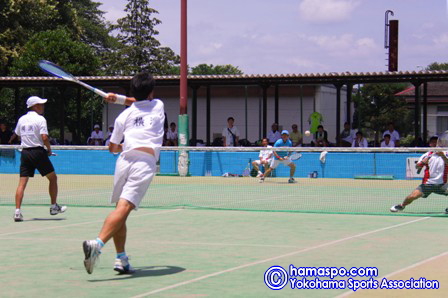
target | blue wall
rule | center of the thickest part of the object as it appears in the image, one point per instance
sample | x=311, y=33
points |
x=338, y=165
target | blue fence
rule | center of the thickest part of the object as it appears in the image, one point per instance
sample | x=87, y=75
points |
x=338, y=165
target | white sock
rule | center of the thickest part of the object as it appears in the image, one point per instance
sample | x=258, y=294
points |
x=17, y=211
x=259, y=172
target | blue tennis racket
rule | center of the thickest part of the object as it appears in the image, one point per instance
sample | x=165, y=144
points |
x=56, y=70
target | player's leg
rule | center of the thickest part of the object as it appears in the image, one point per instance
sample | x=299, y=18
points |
x=122, y=261
x=414, y=195
x=52, y=187
x=19, y=198
x=115, y=221
x=273, y=165
x=292, y=170
x=255, y=164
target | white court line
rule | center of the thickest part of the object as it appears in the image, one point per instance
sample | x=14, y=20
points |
x=187, y=282
x=82, y=223
x=348, y=293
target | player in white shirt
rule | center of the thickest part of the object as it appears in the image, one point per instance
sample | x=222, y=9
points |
x=142, y=126
x=171, y=135
x=230, y=134
x=434, y=179
x=265, y=157
x=33, y=132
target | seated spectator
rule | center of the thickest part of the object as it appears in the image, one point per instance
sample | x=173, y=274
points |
x=171, y=135
x=346, y=136
x=387, y=143
x=109, y=134
x=394, y=135
x=295, y=136
x=360, y=141
x=320, y=137
x=265, y=158
x=96, y=138
x=5, y=134
x=274, y=134
x=433, y=141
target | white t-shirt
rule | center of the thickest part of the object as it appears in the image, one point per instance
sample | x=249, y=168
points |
x=265, y=154
x=171, y=135
x=363, y=143
x=274, y=136
x=141, y=125
x=390, y=145
x=97, y=135
x=351, y=136
x=436, y=170
x=394, y=136
x=228, y=135
x=30, y=129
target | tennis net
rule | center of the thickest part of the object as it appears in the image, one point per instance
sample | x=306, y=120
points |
x=343, y=180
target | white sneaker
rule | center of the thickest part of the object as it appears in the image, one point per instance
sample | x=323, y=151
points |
x=122, y=266
x=18, y=217
x=92, y=253
x=261, y=179
x=396, y=208
x=57, y=209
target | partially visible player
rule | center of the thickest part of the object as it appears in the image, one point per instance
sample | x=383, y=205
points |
x=265, y=157
x=33, y=132
x=142, y=127
x=434, y=179
x=282, y=157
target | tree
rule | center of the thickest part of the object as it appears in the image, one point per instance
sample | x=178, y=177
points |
x=376, y=106
x=77, y=58
x=437, y=66
x=210, y=69
x=139, y=49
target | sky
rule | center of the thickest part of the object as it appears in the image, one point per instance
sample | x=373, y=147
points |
x=301, y=36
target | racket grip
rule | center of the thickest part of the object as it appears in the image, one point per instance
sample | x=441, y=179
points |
x=419, y=170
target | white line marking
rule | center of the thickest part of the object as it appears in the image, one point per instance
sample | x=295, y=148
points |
x=348, y=293
x=81, y=223
x=277, y=257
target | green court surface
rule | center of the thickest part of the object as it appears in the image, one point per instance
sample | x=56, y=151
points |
x=211, y=253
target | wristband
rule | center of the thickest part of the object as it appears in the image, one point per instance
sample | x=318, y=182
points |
x=121, y=99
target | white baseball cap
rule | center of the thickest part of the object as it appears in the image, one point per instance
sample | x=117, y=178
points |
x=34, y=100
x=96, y=126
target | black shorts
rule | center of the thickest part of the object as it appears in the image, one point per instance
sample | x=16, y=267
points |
x=427, y=189
x=35, y=158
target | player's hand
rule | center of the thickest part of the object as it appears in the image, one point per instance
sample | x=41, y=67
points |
x=110, y=98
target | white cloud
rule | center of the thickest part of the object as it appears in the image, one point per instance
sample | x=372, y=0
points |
x=210, y=48
x=441, y=40
x=327, y=11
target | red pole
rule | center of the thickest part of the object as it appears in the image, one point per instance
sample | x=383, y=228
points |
x=183, y=58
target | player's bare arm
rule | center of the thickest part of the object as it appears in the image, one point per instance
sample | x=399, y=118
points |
x=112, y=98
x=115, y=148
x=46, y=141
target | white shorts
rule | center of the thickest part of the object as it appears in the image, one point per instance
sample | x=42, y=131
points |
x=258, y=162
x=134, y=171
x=275, y=162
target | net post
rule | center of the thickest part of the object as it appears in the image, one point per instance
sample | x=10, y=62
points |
x=183, y=141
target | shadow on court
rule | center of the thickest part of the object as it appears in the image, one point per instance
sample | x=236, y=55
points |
x=45, y=219
x=149, y=271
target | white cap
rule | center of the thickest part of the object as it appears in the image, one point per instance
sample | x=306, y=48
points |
x=96, y=126
x=34, y=100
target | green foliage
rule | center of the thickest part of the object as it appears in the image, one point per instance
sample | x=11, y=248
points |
x=139, y=49
x=437, y=66
x=376, y=105
x=210, y=69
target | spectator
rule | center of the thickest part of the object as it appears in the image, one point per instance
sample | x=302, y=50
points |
x=347, y=136
x=265, y=158
x=96, y=138
x=387, y=142
x=109, y=134
x=274, y=134
x=295, y=136
x=171, y=135
x=230, y=134
x=5, y=134
x=433, y=141
x=360, y=141
x=320, y=137
x=394, y=135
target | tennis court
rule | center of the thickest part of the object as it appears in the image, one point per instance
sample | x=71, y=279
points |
x=187, y=248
